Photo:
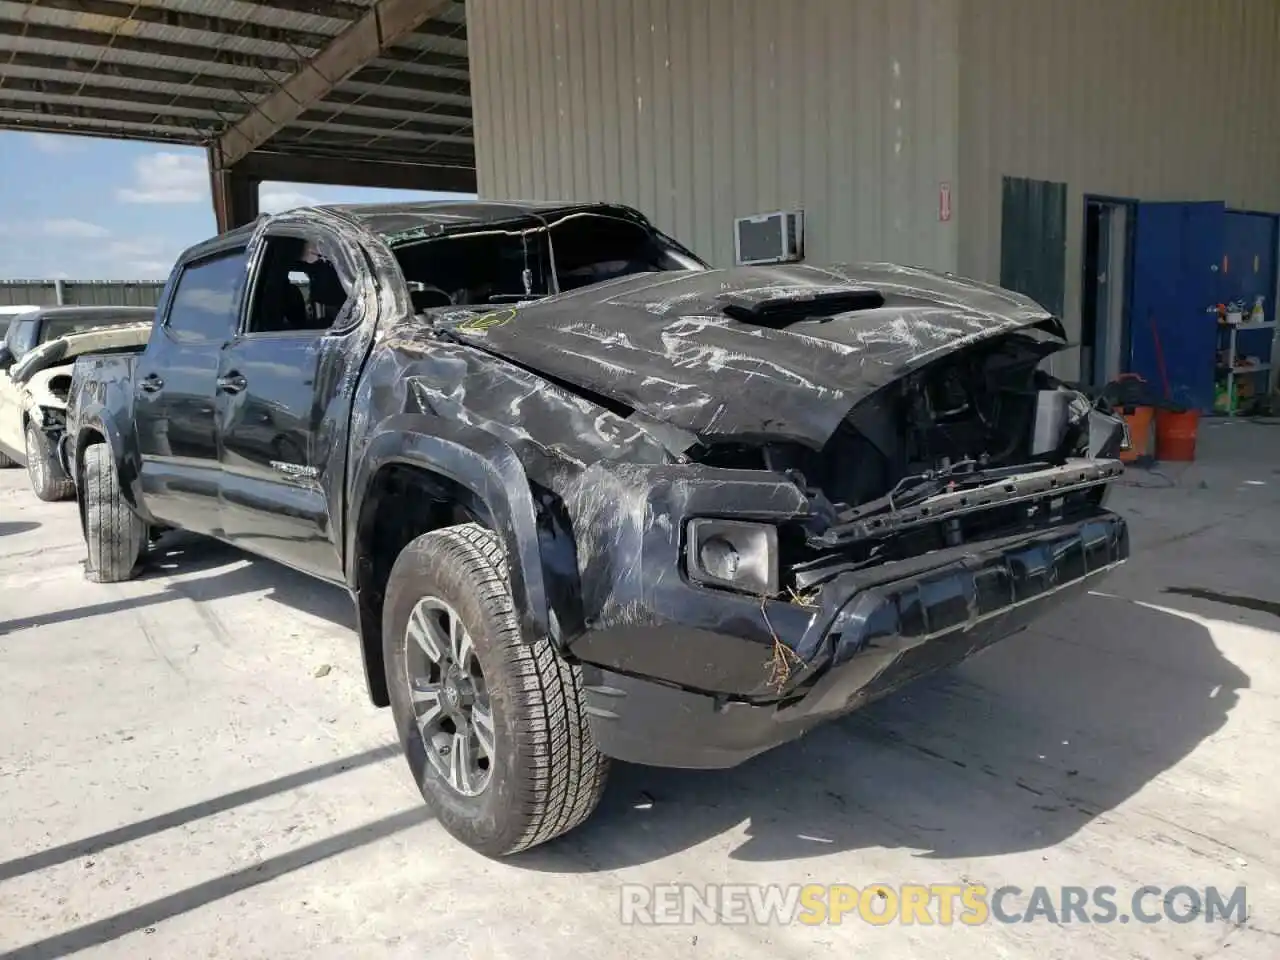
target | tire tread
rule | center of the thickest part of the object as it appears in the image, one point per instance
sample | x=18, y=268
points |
x=113, y=532
x=566, y=773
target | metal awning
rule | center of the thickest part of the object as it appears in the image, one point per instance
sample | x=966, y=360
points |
x=259, y=82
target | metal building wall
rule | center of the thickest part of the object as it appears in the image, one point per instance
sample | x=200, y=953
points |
x=1142, y=99
x=697, y=111
x=83, y=293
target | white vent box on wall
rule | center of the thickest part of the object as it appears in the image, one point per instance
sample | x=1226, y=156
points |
x=769, y=238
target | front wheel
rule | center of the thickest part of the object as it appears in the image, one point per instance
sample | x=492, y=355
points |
x=494, y=729
x=49, y=481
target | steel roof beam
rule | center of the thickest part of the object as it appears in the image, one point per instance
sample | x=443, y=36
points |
x=386, y=22
x=347, y=171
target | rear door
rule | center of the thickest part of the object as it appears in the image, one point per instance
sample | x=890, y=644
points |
x=284, y=396
x=175, y=392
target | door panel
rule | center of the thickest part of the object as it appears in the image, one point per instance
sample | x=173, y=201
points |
x=174, y=396
x=273, y=496
x=1033, y=240
x=280, y=392
x=1178, y=250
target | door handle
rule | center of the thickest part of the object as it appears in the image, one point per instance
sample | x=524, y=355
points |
x=151, y=383
x=232, y=383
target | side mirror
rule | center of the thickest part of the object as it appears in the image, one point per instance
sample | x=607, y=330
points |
x=6, y=357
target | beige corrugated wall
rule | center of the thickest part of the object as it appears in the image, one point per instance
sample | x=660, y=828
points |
x=698, y=111
x=1145, y=99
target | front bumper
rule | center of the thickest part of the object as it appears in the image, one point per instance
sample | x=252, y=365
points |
x=889, y=626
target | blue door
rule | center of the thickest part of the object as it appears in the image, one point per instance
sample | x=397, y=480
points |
x=1177, y=269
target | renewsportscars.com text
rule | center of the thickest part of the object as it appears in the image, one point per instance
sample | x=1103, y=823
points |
x=927, y=904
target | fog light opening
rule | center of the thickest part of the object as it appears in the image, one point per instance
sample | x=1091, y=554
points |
x=719, y=558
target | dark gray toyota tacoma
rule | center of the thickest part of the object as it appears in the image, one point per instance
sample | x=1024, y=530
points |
x=592, y=498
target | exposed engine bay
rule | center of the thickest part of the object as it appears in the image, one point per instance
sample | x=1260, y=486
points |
x=964, y=448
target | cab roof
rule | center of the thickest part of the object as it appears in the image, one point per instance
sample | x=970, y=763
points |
x=399, y=223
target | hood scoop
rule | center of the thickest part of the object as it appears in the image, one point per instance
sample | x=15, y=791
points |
x=778, y=310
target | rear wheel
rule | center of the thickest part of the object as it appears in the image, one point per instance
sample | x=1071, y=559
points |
x=47, y=477
x=113, y=533
x=494, y=729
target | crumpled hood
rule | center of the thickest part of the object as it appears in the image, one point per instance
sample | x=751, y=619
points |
x=777, y=352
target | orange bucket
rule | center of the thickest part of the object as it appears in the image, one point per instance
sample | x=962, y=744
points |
x=1176, y=433
x=1142, y=438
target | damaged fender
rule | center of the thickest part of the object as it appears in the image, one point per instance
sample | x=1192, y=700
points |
x=489, y=470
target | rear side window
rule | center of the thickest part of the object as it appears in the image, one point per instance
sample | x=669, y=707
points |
x=21, y=335
x=206, y=305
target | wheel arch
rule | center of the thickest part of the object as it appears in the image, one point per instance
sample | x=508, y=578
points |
x=453, y=474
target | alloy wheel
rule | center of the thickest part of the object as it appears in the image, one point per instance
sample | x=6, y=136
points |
x=449, y=696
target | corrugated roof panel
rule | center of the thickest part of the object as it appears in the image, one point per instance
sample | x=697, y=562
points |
x=337, y=126
x=422, y=41
x=403, y=91
x=92, y=52
x=424, y=68
x=206, y=89
x=17, y=120
x=256, y=13
x=210, y=117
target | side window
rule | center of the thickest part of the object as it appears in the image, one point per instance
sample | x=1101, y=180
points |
x=205, y=306
x=21, y=337
x=298, y=289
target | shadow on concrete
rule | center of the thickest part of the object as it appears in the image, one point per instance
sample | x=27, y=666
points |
x=149, y=914
x=1013, y=751
x=182, y=554
x=10, y=527
x=196, y=811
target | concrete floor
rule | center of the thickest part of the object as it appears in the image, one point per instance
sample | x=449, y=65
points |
x=188, y=768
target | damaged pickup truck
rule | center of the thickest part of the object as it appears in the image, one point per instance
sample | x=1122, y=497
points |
x=592, y=498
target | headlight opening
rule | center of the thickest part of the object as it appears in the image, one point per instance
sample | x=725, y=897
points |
x=733, y=554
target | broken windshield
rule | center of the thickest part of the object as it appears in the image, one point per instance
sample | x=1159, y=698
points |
x=500, y=266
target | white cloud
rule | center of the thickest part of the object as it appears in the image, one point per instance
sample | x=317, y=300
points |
x=55, y=143
x=277, y=201
x=70, y=227
x=167, y=178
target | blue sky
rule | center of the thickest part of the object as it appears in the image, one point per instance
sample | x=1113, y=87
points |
x=83, y=208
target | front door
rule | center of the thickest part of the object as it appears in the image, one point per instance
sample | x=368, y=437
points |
x=284, y=394
x=174, y=394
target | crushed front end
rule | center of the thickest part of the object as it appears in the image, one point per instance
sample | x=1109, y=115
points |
x=731, y=602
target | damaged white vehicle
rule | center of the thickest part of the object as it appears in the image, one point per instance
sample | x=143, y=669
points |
x=36, y=360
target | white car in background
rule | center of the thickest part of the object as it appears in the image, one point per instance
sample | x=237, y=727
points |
x=37, y=356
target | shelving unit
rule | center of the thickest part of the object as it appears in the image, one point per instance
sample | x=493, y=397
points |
x=1234, y=372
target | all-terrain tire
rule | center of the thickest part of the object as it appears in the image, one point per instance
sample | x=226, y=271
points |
x=49, y=481
x=548, y=776
x=113, y=533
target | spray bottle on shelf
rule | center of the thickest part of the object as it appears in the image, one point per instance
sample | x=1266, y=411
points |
x=1257, y=314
